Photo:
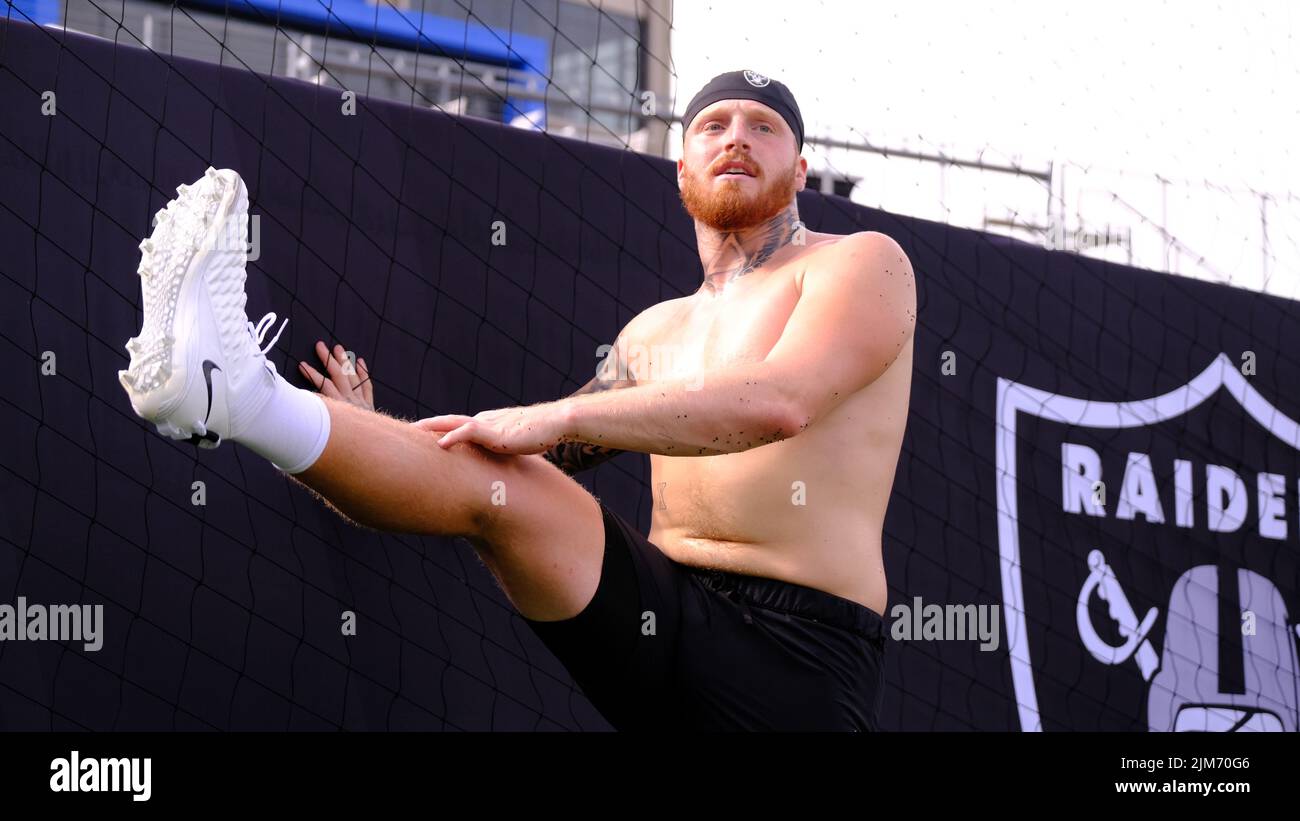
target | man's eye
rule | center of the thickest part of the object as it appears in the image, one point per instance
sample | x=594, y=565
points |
x=711, y=125
x=768, y=127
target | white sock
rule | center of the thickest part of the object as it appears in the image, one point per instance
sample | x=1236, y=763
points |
x=291, y=430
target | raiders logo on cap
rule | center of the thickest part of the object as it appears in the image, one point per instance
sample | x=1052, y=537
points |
x=755, y=79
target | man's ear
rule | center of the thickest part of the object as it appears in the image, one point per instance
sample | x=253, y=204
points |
x=680, y=165
x=801, y=174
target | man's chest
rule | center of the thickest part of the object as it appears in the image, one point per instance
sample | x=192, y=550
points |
x=708, y=331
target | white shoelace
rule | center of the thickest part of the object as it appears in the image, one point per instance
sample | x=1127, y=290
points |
x=259, y=331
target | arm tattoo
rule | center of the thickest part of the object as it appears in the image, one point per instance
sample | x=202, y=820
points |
x=575, y=457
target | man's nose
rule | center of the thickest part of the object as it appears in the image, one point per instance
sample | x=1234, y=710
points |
x=737, y=136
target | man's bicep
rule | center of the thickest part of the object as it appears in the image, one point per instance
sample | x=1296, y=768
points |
x=854, y=316
x=612, y=372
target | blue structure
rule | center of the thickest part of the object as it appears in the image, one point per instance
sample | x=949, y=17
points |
x=526, y=58
x=40, y=12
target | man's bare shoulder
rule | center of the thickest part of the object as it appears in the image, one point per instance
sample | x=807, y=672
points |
x=646, y=326
x=828, y=253
x=857, y=242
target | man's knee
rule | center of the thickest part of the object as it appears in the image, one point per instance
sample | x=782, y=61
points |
x=544, y=543
x=519, y=495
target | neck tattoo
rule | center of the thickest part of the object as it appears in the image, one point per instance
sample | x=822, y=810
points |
x=740, y=252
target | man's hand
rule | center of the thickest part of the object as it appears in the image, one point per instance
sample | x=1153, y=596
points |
x=526, y=430
x=344, y=382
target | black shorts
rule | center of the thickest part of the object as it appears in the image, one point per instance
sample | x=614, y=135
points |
x=663, y=645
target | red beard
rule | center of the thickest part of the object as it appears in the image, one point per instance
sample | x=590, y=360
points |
x=728, y=208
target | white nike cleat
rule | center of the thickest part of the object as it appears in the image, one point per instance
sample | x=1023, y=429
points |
x=197, y=371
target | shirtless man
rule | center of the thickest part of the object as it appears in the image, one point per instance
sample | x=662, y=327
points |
x=773, y=435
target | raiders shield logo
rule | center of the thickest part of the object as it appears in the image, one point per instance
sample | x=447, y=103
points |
x=1150, y=556
x=755, y=79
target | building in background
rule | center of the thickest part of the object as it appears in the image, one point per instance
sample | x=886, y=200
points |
x=604, y=72
x=595, y=73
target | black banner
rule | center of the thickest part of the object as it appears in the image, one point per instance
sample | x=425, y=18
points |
x=1101, y=460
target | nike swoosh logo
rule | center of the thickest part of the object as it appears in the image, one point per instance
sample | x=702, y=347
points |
x=208, y=367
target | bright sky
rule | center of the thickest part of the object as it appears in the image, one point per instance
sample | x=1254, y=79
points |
x=1119, y=91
